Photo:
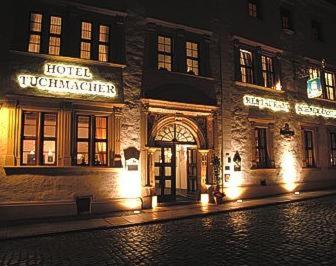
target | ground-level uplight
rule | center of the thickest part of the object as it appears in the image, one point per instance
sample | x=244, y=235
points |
x=204, y=198
x=136, y=212
x=297, y=193
x=239, y=201
x=154, y=201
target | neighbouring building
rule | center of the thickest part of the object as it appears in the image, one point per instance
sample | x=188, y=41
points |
x=113, y=105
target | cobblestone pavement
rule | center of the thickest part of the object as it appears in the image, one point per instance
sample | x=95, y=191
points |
x=301, y=233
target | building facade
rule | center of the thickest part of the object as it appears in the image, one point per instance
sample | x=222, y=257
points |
x=124, y=103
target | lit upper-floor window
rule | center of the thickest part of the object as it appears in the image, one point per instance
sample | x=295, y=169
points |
x=103, y=50
x=246, y=66
x=314, y=73
x=34, y=45
x=329, y=82
x=267, y=71
x=192, y=58
x=253, y=8
x=55, y=32
x=164, y=50
x=86, y=40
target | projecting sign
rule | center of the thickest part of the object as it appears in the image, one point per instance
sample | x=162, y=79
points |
x=264, y=103
x=63, y=78
x=314, y=88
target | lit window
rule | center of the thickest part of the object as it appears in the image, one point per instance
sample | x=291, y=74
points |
x=34, y=45
x=332, y=149
x=104, y=33
x=314, y=73
x=262, y=157
x=246, y=66
x=267, y=71
x=308, y=148
x=252, y=9
x=91, y=150
x=85, y=52
x=192, y=58
x=164, y=53
x=329, y=85
x=39, y=126
x=55, y=35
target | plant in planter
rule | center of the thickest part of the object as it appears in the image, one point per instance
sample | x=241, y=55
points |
x=218, y=180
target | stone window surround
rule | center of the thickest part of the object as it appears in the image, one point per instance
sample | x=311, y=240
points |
x=269, y=125
x=315, y=131
x=65, y=139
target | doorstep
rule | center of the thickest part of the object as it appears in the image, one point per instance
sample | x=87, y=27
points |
x=159, y=214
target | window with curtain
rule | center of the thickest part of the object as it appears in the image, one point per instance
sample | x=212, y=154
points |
x=267, y=71
x=309, y=148
x=246, y=66
x=192, y=58
x=55, y=32
x=332, y=136
x=262, y=157
x=38, y=140
x=86, y=40
x=329, y=82
x=103, y=49
x=164, y=50
x=34, y=45
x=91, y=140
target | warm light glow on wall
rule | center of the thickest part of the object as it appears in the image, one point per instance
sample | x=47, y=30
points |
x=154, y=201
x=278, y=86
x=204, y=198
x=233, y=189
x=289, y=171
x=130, y=184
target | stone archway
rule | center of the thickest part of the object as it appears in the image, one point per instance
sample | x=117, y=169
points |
x=177, y=162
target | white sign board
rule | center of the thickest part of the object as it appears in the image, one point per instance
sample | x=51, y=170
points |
x=265, y=103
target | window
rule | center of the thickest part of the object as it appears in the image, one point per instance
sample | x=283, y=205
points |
x=86, y=38
x=314, y=73
x=262, y=158
x=308, y=148
x=39, y=131
x=34, y=45
x=329, y=81
x=55, y=35
x=333, y=149
x=91, y=140
x=252, y=9
x=267, y=71
x=286, y=19
x=246, y=66
x=104, y=35
x=164, y=53
x=316, y=31
x=192, y=58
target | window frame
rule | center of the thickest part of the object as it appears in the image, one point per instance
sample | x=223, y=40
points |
x=86, y=41
x=33, y=32
x=247, y=68
x=270, y=74
x=313, y=163
x=91, y=140
x=267, y=159
x=107, y=43
x=39, y=138
x=253, y=12
x=164, y=53
x=55, y=35
x=192, y=58
x=286, y=13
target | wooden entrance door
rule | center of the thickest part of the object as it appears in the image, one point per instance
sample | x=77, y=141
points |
x=165, y=173
x=191, y=170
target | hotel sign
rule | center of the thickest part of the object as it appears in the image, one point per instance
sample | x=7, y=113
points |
x=63, y=78
x=305, y=109
x=264, y=103
x=314, y=88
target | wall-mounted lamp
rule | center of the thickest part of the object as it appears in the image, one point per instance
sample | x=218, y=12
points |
x=237, y=162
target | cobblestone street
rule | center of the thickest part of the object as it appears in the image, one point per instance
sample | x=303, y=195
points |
x=301, y=233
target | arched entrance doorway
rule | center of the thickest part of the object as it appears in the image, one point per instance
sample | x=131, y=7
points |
x=176, y=160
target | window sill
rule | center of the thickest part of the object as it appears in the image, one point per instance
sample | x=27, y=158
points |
x=323, y=100
x=69, y=59
x=253, y=86
x=183, y=74
x=288, y=31
x=58, y=170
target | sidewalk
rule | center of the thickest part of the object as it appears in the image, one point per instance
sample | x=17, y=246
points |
x=158, y=214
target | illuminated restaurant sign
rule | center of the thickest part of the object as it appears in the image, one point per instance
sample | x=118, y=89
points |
x=305, y=109
x=264, y=103
x=63, y=78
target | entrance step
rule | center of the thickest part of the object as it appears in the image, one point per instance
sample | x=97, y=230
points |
x=175, y=203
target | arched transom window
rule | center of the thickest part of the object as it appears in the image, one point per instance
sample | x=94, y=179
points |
x=175, y=133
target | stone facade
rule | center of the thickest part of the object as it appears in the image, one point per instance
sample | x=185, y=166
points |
x=210, y=105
